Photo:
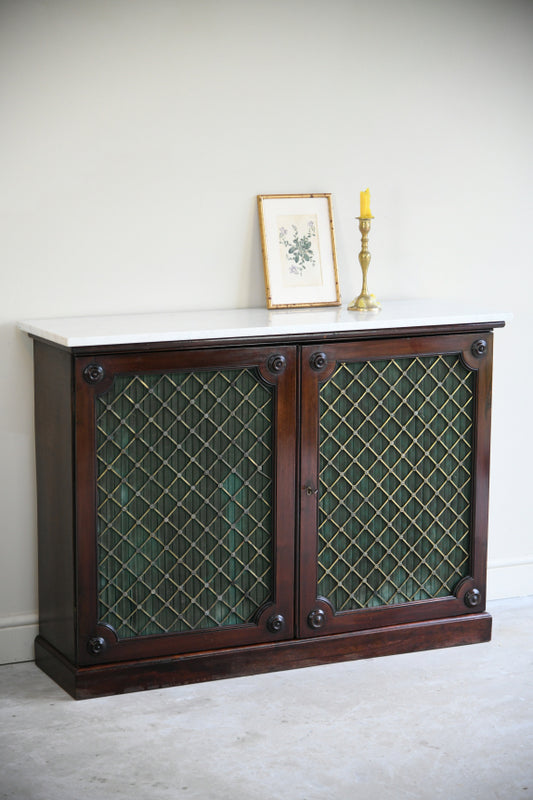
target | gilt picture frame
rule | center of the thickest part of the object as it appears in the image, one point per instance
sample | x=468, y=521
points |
x=299, y=256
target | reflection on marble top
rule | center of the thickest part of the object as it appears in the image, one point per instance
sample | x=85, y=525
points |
x=253, y=322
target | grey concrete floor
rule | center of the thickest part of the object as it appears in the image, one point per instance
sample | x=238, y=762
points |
x=454, y=724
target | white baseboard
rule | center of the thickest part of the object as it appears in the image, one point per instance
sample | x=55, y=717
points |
x=17, y=634
x=505, y=578
x=510, y=578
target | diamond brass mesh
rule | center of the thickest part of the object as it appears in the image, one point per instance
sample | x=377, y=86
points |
x=184, y=485
x=395, y=489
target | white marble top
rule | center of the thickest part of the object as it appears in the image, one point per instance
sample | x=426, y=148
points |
x=253, y=322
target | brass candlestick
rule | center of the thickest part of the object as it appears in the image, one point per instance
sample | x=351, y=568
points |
x=365, y=301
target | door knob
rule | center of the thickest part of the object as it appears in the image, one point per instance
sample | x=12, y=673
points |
x=316, y=618
x=473, y=598
x=276, y=623
x=96, y=645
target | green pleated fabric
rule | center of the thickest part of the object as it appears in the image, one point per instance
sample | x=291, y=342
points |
x=184, y=495
x=396, y=440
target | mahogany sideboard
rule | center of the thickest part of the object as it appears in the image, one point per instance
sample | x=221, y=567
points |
x=224, y=493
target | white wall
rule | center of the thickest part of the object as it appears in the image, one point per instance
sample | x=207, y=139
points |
x=135, y=136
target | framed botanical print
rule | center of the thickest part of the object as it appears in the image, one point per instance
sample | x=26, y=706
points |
x=299, y=257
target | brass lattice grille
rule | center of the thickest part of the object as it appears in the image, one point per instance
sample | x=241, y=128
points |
x=184, y=485
x=395, y=465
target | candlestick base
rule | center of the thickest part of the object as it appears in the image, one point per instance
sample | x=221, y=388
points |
x=365, y=302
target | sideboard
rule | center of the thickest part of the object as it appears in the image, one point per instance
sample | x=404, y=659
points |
x=223, y=493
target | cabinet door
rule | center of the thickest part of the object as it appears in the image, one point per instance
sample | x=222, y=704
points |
x=394, y=481
x=185, y=501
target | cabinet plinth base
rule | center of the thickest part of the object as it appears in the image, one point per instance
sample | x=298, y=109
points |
x=130, y=676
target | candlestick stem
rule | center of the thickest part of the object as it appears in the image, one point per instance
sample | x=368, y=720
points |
x=365, y=301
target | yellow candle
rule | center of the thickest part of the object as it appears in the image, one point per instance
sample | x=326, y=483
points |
x=365, y=205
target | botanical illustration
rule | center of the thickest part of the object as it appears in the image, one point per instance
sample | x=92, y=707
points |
x=299, y=249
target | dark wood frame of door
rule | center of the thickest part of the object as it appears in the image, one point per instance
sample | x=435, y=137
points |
x=276, y=621
x=316, y=617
